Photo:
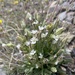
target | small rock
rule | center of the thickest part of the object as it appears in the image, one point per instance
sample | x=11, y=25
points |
x=62, y=16
x=74, y=20
x=72, y=6
x=73, y=52
x=2, y=72
x=51, y=9
x=55, y=9
x=70, y=14
x=70, y=17
x=65, y=5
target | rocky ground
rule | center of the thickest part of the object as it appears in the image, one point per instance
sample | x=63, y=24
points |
x=64, y=11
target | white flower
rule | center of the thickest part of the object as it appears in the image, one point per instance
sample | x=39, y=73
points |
x=3, y=44
x=56, y=39
x=36, y=65
x=29, y=16
x=41, y=27
x=40, y=56
x=33, y=40
x=36, y=22
x=56, y=62
x=18, y=46
x=27, y=43
x=68, y=51
x=44, y=34
x=30, y=57
x=34, y=31
x=25, y=33
x=55, y=56
x=32, y=52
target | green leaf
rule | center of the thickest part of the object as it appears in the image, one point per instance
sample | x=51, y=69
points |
x=23, y=23
x=53, y=69
x=9, y=44
x=59, y=31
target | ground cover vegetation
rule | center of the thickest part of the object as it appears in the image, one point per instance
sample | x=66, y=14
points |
x=30, y=44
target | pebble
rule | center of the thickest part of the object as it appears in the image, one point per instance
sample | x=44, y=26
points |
x=70, y=17
x=62, y=16
x=64, y=11
x=74, y=20
x=2, y=72
x=65, y=5
x=73, y=53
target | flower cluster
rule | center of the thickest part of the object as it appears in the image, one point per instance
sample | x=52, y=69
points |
x=44, y=48
x=31, y=41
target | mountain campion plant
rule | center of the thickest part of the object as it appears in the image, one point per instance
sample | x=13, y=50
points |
x=43, y=50
x=31, y=43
